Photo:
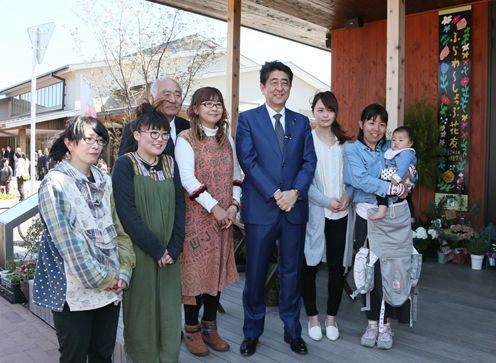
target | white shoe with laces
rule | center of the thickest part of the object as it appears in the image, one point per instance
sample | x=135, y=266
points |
x=315, y=332
x=332, y=332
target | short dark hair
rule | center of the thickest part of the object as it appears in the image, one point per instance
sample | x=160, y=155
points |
x=150, y=117
x=371, y=112
x=74, y=131
x=269, y=67
x=407, y=130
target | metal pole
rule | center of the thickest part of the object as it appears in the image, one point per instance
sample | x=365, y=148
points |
x=33, y=110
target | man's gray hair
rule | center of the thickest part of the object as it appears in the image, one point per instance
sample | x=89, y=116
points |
x=154, y=86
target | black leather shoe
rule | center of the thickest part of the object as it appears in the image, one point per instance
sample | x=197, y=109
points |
x=248, y=346
x=297, y=345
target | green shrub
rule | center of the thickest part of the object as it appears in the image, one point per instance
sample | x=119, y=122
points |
x=421, y=117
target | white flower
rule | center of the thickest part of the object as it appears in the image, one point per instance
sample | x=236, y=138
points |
x=421, y=233
x=433, y=233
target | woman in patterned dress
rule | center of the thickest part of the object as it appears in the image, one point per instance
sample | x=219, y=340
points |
x=210, y=174
x=150, y=203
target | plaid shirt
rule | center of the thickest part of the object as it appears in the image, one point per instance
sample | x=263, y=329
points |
x=83, y=249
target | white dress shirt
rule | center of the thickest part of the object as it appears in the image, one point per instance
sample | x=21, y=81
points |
x=273, y=120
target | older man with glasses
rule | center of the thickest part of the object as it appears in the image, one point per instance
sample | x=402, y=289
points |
x=166, y=93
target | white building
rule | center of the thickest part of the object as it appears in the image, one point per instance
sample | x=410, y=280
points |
x=70, y=90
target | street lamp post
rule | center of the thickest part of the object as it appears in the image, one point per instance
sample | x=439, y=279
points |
x=40, y=37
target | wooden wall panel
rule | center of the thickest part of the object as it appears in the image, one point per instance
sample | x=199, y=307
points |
x=359, y=78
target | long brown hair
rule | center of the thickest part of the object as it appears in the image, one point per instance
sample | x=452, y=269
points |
x=202, y=95
x=330, y=101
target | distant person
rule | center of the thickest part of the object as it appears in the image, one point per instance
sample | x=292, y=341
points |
x=150, y=202
x=43, y=164
x=211, y=176
x=21, y=173
x=9, y=154
x=169, y=91
x=275, y=151
x=85, y=258
x=102, y=165
x=6, y=174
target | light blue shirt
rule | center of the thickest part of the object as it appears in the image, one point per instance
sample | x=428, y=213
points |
x=362, y=171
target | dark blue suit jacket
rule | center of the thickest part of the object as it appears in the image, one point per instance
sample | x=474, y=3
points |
x=267, y=169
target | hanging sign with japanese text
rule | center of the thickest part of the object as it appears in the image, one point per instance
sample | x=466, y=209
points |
x=454, y=105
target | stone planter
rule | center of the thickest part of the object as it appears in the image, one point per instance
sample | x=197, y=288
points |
x=41, y=312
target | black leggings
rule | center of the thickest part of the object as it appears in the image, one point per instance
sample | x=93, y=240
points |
x=402, y=313
x=210, y=304
x=335, y=235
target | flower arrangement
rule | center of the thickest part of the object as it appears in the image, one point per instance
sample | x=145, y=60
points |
x=26, y=270
x=18, y=272
x=458, y=235
x=423, y=238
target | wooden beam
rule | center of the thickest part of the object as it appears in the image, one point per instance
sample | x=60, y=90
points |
x=233, y=42
x=395, y=62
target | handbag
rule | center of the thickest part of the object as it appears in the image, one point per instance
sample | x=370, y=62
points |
x=25, y=177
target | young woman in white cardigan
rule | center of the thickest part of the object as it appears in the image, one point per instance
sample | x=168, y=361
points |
x=328, y=217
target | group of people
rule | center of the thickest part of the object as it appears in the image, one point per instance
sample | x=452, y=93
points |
x=15, y=164
x=157, y=233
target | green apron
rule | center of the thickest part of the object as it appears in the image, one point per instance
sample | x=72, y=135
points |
x=152, y=304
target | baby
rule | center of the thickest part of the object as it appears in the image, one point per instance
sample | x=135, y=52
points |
x=399, y=159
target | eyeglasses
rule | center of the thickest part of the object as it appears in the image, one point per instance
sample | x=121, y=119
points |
x=92, y=140
x=211, y=105
x=156, y=134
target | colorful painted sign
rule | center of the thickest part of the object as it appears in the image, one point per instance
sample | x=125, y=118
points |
x=454, y=104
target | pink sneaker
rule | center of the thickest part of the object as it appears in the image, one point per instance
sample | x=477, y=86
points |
x=370, y=336
x=385, y=339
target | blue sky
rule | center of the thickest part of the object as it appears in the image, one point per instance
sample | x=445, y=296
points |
x=17, y=16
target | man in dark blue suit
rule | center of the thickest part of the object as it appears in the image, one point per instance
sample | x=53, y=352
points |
x=168, y=91
x=275, y=151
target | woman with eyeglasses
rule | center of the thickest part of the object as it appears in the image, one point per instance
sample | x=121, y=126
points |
x=210, y=174
x=85, y=258
x=150, y=203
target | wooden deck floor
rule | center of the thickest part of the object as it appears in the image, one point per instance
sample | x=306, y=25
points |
x=456, y=323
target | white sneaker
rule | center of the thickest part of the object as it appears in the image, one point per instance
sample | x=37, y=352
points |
x=332, y=332
x=315, y=332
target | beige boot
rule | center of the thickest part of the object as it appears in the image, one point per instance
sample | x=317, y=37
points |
x=211, y=336
x=193, y=340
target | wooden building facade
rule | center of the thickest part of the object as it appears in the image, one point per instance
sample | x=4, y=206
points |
x=359, y=78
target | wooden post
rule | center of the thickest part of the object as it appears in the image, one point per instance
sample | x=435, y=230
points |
x=395, y=67
x=22, y=141
x=232, y=76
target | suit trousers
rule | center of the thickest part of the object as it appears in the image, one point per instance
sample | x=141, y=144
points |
x=87, y=336
x=260, y=243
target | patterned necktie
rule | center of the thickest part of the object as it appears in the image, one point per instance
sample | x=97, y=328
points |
x=279, y=131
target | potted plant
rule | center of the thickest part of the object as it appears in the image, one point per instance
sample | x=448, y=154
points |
x=10, y=288
x=477, y=247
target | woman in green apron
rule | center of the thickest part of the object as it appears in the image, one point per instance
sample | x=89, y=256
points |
x=150, y=204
